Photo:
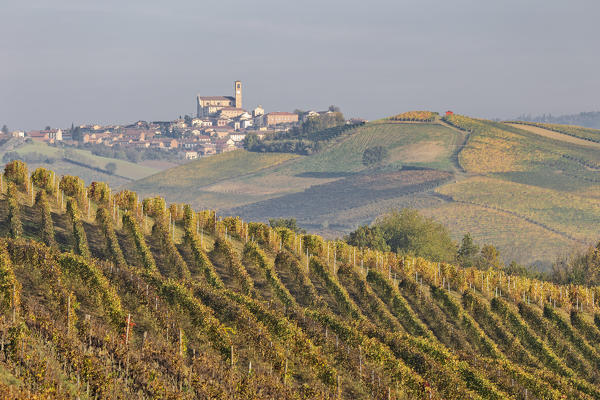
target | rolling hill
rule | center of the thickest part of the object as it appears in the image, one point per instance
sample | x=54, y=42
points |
x=104, y=296
x=79, y=162
x=529, y=189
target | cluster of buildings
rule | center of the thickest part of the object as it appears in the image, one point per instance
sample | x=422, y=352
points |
x=220, y=125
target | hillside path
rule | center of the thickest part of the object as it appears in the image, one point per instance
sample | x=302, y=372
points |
x=556, y=135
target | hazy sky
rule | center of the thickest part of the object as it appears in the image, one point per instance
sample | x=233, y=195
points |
x=64, y=61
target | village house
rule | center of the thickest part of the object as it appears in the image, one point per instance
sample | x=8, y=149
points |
x=188, y=143
x=221, y=132
x=258, y=111
x=201, y=122
x=237, y=137
x=224, y=145
x=230, y=112
x=207, y=149
x=50, y=136
x=191, y=155
x=220, y=122
x=167, y=143
x=280, y=118
x=246, y=123
x=99, y=138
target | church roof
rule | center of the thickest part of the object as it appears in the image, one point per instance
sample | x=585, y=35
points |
x=215, y=98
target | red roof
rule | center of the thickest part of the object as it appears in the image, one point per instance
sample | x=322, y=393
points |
x=281, y=113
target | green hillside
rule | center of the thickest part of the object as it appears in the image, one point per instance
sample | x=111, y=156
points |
x=469, y=168
x=109, y=297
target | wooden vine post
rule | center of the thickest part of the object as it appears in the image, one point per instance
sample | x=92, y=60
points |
x=68, y=313
x=127, y=330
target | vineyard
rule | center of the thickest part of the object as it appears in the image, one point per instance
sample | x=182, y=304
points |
x=576, y=131
x=107, y=296
x=415, y=116
x=575, y=215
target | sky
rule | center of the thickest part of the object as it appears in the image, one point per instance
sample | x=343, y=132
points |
x=81, y=61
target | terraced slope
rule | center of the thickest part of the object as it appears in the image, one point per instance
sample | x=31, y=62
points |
x=150, y=301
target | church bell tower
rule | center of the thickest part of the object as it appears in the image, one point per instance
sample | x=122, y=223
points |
x=238, y=94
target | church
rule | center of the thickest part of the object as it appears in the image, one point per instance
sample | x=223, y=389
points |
x=210, y=106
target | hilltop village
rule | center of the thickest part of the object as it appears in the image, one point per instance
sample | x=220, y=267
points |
x=220, y=125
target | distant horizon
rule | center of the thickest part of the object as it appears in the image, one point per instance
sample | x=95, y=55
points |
x=81, y=61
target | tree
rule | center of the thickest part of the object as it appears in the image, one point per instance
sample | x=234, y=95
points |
x=374, y=155
x=76, y=134
x=10, y=156
x=489, y=257
x=467, y=253
x=187, y=119
x=5, y=129
x=133, y=155
x=334, y=108
x=250, y=141
x=289, y=223
x=368, y=237
x=111, y=168
x=406, y=231
x=320, y=122
x=580, y=268
x=48, y=127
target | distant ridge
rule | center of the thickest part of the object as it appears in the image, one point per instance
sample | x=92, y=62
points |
x=590, y=119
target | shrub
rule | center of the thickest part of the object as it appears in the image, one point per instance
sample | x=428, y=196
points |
x=131, y=225
x=96, y=282
x=44, y=179
x=46, y=224
x=374, y=155
x=232, y=263
x=100, y=193
x=106, y=224
x=14, y=213
x=111, y=168
x=9, y=286
x=72, y=186
x=127, y=200
x=154, y=207
x=16, y=172
x=81, y=245
x=253, y=254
